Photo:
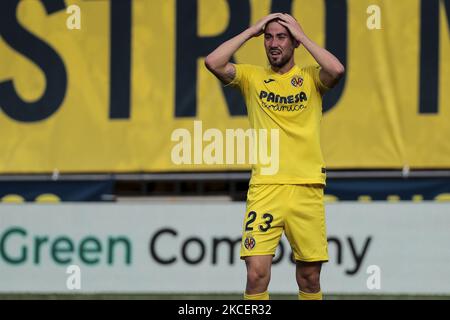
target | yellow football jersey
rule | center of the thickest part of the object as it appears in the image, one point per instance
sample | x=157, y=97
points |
x=291, y=103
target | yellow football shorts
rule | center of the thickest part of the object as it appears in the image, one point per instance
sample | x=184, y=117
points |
x=296, y=209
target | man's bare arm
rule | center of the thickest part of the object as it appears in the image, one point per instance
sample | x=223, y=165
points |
x=332, y=69
x=218, y=61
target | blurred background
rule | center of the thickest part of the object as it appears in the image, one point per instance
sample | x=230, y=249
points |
x=100, y=99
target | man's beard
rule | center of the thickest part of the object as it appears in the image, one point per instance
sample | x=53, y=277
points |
x=279, y=63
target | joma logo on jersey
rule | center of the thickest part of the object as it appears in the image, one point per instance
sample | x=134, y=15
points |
x=276, y=98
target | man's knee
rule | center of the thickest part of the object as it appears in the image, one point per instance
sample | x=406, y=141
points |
x=258, y=271
x=257, y=275
x=309, y=279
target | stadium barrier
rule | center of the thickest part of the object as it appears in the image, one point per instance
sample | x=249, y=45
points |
x=193, y=247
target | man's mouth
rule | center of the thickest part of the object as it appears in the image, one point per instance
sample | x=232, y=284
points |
x=275, y=53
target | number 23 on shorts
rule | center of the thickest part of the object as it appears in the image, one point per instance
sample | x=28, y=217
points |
x=251, y=217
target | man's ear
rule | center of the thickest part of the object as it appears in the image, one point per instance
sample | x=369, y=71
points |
x=295, y=42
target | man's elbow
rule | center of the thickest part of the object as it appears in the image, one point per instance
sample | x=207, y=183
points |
x=332, y=75
x=210, y=64
x=338, y=72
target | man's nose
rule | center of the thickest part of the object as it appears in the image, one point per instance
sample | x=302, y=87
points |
x=274, y=44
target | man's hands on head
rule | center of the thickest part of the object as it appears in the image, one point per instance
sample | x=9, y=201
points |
x=258, y=28
x=293, y=26
x=218, y=61
x=284, y=19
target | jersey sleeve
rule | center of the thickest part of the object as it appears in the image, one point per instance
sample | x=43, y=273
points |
x=314, y=72
x=242, y=78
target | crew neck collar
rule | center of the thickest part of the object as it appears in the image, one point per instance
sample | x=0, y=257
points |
x=284, y=75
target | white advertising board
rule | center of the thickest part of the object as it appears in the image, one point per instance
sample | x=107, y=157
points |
x=194, y=248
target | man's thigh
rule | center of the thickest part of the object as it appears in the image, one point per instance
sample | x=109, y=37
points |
x=305, y=224
x=263, y=222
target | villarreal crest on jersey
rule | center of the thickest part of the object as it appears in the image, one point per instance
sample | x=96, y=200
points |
x=290, y=104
